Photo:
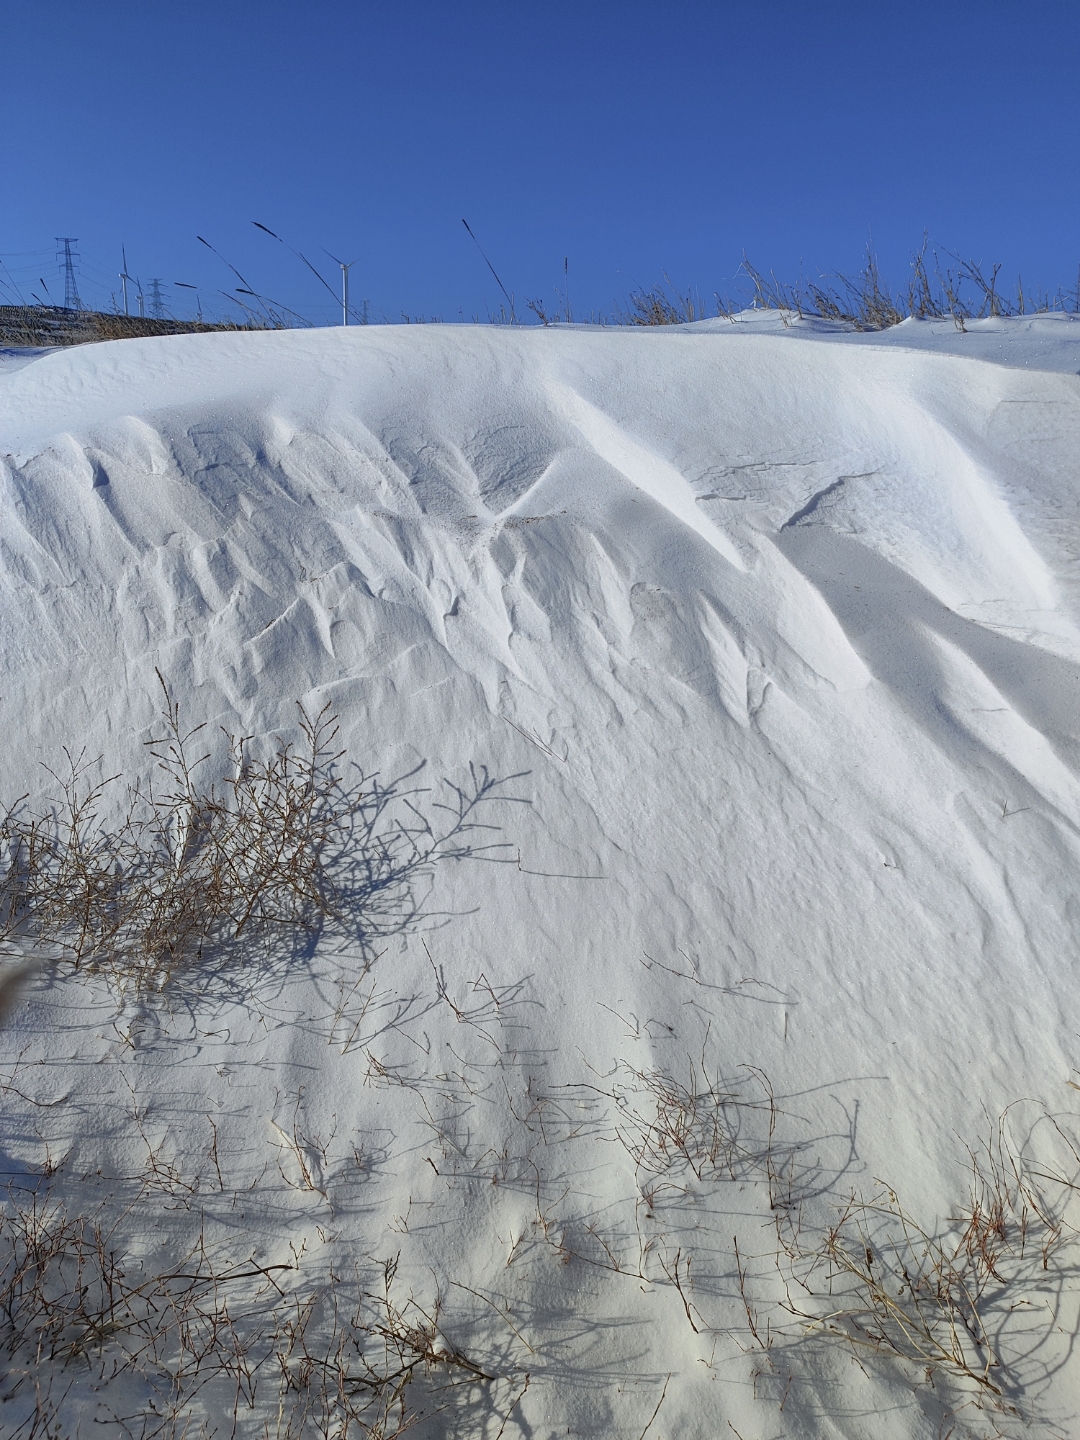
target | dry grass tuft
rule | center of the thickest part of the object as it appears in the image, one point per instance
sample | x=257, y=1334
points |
x=975, y=1303
x=669, y=1126
x=228, y=1342
x=284, y=851
x=956, y=289
x=960, y=290
x=663, y=305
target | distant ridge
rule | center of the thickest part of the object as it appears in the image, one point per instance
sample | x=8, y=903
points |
x=52, y=325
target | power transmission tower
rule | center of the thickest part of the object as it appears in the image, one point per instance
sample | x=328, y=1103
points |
x=157, y=302
x=71, y=289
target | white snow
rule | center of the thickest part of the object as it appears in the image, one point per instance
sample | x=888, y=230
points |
x=772, y=632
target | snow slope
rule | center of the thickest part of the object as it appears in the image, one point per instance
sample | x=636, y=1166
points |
x=776, y=630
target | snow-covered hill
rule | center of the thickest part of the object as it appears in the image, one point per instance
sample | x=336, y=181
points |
x=770, y=634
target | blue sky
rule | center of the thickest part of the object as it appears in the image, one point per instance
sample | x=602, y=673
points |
x=636, y=139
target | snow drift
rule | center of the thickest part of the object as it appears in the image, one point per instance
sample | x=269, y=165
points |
x=769, y=636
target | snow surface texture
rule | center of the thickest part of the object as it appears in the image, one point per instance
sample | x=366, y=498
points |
x=776, y=629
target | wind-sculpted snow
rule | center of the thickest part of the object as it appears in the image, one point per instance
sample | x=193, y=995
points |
x=777, y=631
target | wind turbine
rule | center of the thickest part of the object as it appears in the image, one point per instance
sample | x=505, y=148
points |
x=124, y=278
x=344, y=285
x=344, y=271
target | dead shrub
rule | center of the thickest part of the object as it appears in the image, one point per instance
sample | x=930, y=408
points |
x=958, y=290
x=231, y=1342
x=963, y=1302
x=669, y=1126
x=663, y=305
x=285, y=850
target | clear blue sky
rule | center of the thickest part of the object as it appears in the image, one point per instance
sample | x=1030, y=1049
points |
x=634, y=138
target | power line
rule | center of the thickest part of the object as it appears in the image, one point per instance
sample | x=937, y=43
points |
x=14, y=282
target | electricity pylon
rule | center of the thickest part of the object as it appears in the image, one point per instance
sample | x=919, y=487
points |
x=71, y=289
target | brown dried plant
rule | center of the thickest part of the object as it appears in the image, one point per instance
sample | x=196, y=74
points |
x=699, y=1124
x=284, y=850
x=663, y=305
x=960, y=291
x=222, y=1339
x=947, y=1301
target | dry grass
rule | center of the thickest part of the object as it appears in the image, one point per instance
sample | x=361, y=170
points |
x=132, y=1298
x=218, y=1343
x=956, y=289
x=937, y=288
x=39, y=325
x=663, y=305
x=698, y=1124
x=940, y=286
x=904, y=1292
x=285, y=851
x=970, y=1308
